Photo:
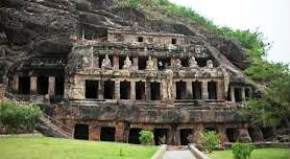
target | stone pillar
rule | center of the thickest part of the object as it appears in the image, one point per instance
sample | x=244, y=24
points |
x=133, y=90
x=51, y=85
x=101, y=90
x=173, y=135
x=94, y=132
x=33, y=85
x=189, y=90
x=135, y=63
x=204, y=89
x=233, y=98
x=120, y=129
x=147, y=90
x=15, y=84
x=244, y=135
x=197, y=132
x=174, y=90
x=223, y=135
x=163, y=87
x=116, y=62
x=243, y=93
x=117, y=89
x=220, y=90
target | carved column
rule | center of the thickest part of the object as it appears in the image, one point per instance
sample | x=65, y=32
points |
x=132, y=91
x=33, y=85
x=174, y=90
x=197, y=132
x=243, y=93
x=233, y=98
x=135, y=63
x=223, y=135
x=189, y=90
x=51, y=85
x=120, y=128
x=101, y=90
x=116, y=62
x=117, y=89
x=15, y=84
x=147, y=90
x=94, y=132
x=220, y=90
x=205, y=89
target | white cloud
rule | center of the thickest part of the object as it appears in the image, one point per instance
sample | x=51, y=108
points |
x=272, y=17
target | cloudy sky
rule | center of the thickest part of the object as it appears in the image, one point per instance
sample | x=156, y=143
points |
x=272, y=17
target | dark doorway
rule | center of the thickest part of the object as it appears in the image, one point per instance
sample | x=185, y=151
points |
x=134, y=136
x=196, y=90
x=161, y=136
x=108, y=134
x=24, y=85
x=173, y=41
x=155, y=90
x=142, y=62
x=180, y=90
x=121, y=61
x=125, y=90
x=268, y=133
x=238, y=94
x=81, y=132
x=42, y=85
x=140, y=90
x=248, y=93
x=212, y=90
x=92, y=89
x=232, y=134
x=140, y=39
x=186, y=136
x=201, y=62
x=59, y=85
x=109, y=89
x=163, y=63
x=184, y=62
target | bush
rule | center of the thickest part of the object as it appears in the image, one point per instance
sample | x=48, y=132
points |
x=242, y=151
x=18, y=118
x=146, y=137
x=209, y=140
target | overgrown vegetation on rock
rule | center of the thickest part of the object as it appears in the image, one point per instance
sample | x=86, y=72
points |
x=18, y=118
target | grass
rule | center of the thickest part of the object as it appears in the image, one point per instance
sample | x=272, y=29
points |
x=51, y=148
x=265, y=153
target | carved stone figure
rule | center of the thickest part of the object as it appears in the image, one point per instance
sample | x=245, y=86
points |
x=127, y=63
x=192, y=62
x=169, y=80
x=209, y=64
x=106, y=63
x=150, y=64
x=178, y=63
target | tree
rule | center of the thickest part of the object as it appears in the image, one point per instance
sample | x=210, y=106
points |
x=146, y=137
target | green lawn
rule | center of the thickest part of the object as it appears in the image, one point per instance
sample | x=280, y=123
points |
x=51, y=148
x=265, y=153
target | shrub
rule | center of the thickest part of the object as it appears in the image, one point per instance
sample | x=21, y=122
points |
x=18, y=118
x=242, y=151
x=209, y=140
x=146, y=137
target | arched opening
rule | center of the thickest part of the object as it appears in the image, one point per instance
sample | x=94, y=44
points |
x=107, y=134
x=81, y=132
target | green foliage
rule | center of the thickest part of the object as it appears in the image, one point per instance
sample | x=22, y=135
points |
x=209, y=140
x=133, y=3
x=16, y=117
x=242, y=151
x=146, y=137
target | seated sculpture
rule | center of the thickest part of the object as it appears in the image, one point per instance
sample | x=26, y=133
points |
x=150, y=64
x=192, y=62
x=209, y=64
x=106, y=63
x=127, y=64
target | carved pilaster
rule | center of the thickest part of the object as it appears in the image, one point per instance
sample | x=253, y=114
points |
x=15, y=83
x=117, y=89
x=233, y=98
x=33, y=85
x=189, y=89
x=204, y=89
x=51, y=86
x=220, y=90
x=133, y=93
x=101, y=90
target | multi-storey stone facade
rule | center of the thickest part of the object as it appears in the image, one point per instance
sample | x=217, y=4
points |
x=111, y=87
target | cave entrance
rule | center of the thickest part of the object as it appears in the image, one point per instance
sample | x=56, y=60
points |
x=24, y=85
x=161, y=136
x=238, y=94
x=142, y=62
x=140, y=90
x=42, y=85
x=186, y=136
x=268, y=133
x=196, y=90
x=59, y=85
x=109, y=89
x=134, y=136
x=232, y=134
x=81, y=131
x=108, y=134
x=212, y=90
x=180, y=90
x=125, y=90
x=155, y=90
x=92, y=89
